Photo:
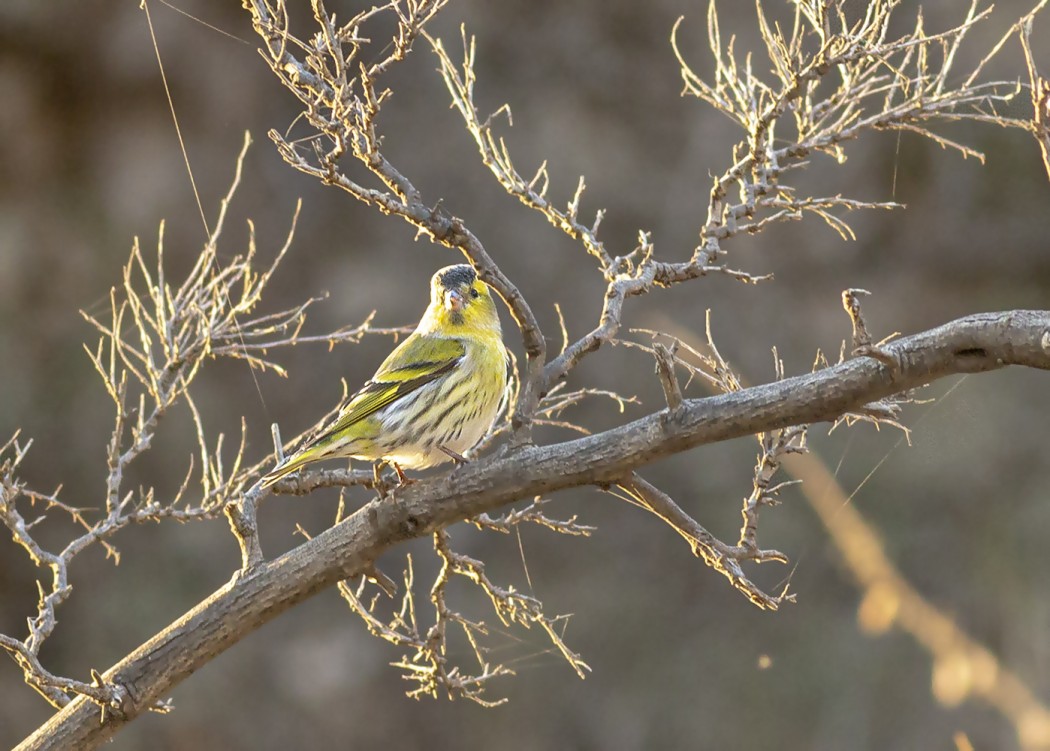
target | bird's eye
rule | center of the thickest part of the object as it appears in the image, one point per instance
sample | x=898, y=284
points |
x=474, y=293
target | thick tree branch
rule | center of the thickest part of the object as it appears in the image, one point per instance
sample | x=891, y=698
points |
x=974, y=344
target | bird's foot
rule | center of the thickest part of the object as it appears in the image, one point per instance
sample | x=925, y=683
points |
x=386, y=487
x=402, y=479
x=381, y=485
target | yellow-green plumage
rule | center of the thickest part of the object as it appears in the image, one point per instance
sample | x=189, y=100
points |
x=434, y=397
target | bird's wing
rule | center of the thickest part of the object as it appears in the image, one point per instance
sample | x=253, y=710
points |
x=414, y=363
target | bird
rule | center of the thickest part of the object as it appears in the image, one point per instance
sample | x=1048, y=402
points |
x=434, y=397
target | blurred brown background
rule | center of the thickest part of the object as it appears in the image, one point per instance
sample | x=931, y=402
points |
x=89, y=159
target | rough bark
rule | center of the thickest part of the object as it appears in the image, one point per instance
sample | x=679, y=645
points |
x=974, y=344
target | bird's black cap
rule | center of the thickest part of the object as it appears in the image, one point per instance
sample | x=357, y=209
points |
x=456, y=276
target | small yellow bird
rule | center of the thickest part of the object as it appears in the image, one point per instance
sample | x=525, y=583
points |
x=434, y=397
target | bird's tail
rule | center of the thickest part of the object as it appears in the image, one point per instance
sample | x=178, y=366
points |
x=290, y=465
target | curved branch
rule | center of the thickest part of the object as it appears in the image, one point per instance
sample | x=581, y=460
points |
x=974, y=344
x=348, y=120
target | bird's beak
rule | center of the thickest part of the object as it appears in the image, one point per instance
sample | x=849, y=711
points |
x=454, y=300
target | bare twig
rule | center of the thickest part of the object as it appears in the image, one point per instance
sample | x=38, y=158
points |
x=668, y=380
x=862, y=344
x=346, y=124
x=427, y=663
x=1039, y=87
x=349, y=548
x=154, y=341
x=533, y=514
x=725, y=559
x=510, y=605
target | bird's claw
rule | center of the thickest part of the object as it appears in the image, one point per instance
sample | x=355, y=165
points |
x=384, y=487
